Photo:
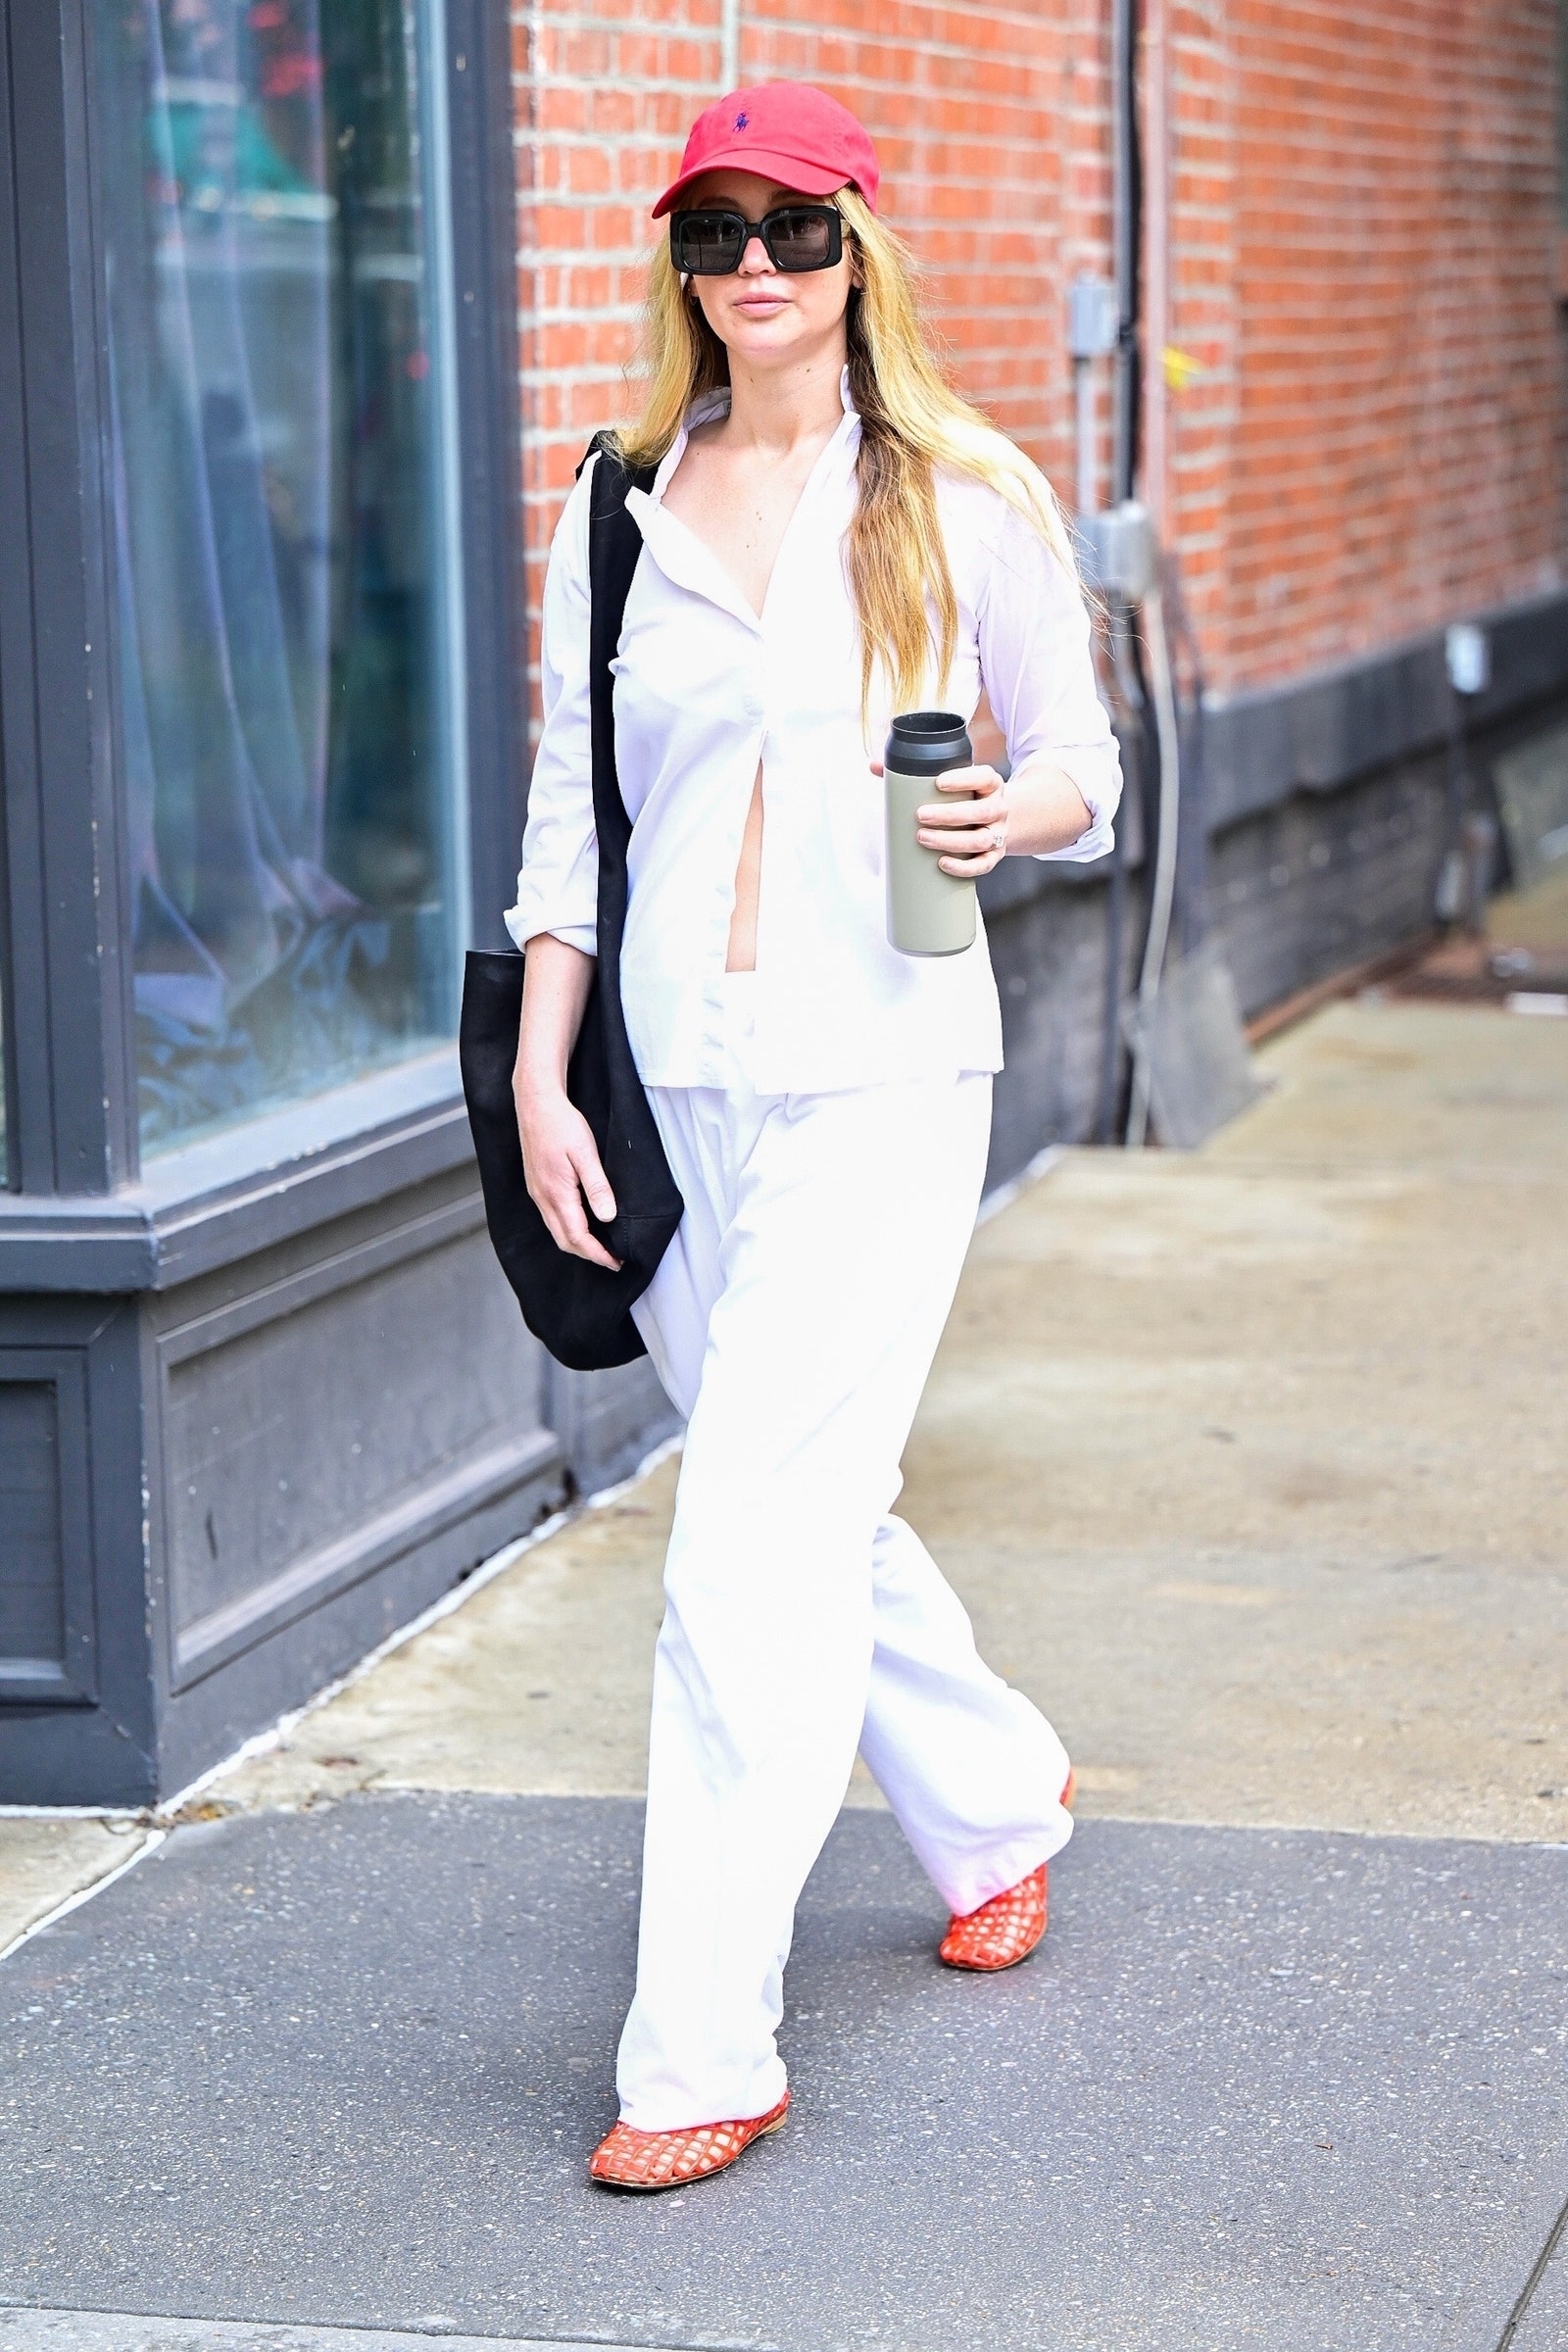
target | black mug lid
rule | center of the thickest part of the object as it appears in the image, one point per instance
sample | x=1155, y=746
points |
x=926, y=742
x=919, y=726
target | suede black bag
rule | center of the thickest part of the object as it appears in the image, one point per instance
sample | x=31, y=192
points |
x=581, y=1312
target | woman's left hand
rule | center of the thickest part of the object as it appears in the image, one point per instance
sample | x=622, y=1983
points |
x=982, y=817
x=969, y=826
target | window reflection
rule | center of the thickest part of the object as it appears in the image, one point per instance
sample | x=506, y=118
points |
x=279, y=403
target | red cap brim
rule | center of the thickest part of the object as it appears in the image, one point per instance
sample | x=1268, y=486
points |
x=811, y=180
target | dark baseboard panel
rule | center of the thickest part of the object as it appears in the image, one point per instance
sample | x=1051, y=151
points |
x=207, y=1720
x=256, y=1475
x=608, y=1422
x=1312, y=882
x=412, y=1521
x=1319, y=733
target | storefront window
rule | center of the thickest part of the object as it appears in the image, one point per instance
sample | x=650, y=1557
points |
x=282, y=454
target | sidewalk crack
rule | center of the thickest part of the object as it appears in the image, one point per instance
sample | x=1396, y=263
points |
x=1538, y=2272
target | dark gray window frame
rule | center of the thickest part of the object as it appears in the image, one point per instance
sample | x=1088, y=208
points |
x=63, y=982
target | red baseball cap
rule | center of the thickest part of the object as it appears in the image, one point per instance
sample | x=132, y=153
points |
x=785, y=130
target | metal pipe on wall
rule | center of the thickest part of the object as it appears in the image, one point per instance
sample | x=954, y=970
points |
x=1154, y=472
x=1083, y=403
x=1156, y=137
x=1126, y=243
x=729, y=44
x=1163, y=887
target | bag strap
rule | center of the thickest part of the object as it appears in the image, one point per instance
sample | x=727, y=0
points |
x=615, y=544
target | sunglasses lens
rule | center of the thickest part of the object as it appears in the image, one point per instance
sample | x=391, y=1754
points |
x=808, y=239
x=707, y=244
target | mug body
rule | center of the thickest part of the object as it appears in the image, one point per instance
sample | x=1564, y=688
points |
x=929, y=912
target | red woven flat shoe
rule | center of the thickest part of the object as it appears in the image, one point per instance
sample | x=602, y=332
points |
x=1004, y=1930
x=626, y=2158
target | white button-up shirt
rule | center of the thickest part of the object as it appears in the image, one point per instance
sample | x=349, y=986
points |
x=705, y=691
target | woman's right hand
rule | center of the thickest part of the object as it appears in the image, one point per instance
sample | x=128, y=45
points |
x=560, y=1157
x=561, y=1165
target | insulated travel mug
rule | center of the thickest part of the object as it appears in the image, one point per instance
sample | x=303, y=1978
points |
x=929, y=912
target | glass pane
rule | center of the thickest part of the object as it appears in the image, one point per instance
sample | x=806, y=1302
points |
x=282, y=451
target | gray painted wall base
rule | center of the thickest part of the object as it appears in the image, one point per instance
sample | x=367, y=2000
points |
x=217, y=1495
x=241, y=1484
x=607, y=1421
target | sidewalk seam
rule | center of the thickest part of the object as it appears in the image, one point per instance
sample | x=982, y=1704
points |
x=398, y=2330
x=1537, y=2271
x=149, y=1843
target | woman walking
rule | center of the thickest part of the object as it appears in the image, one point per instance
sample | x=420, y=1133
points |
x=831, y=537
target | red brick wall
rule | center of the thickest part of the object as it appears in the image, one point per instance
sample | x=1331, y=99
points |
x=1202, y=324
x=1382, y=443
x=1363, y=256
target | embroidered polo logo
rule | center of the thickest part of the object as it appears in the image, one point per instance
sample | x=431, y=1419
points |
x=742, y=122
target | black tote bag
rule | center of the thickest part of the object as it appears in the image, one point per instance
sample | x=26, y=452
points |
x=581, y=1312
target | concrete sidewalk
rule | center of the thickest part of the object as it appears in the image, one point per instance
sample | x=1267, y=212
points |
x=1251, y=1469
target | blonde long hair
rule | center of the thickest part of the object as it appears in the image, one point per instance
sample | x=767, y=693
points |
x=912, y=422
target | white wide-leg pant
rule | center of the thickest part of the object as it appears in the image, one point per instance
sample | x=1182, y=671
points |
x=794, y=1321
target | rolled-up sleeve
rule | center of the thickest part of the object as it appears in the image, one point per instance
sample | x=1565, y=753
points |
x=1040, y=676
x=557, y=886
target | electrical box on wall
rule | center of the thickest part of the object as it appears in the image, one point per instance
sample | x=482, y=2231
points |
x=1122, y=556
x=1094, y=319
x=1468, y=652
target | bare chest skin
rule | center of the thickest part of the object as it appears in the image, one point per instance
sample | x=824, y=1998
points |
x=739, y=504
x=740, y=507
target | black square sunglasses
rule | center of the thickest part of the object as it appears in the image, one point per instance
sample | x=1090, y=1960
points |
x=796, y=237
